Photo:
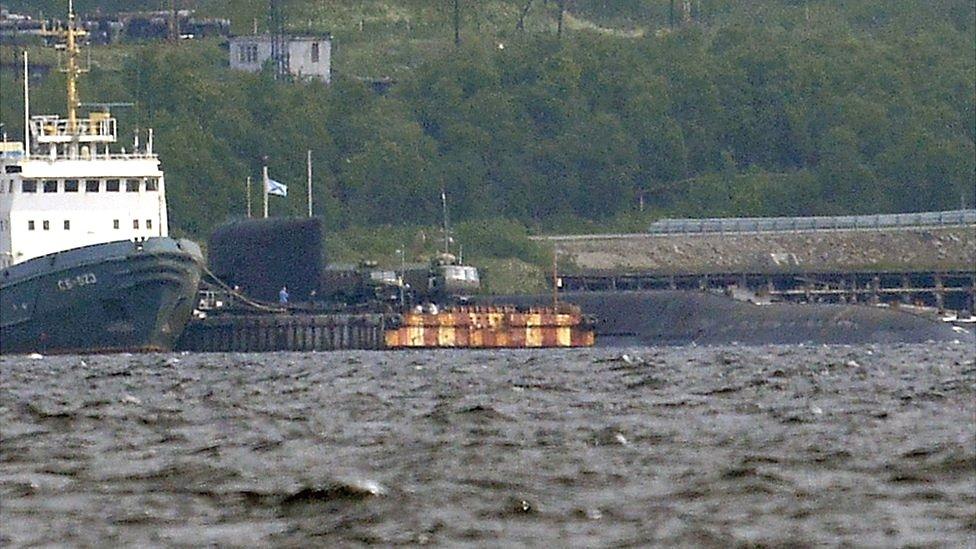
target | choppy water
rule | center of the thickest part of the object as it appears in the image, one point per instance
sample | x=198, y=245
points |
x=669, y=446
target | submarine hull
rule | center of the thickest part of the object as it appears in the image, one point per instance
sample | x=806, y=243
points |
x=675, y=317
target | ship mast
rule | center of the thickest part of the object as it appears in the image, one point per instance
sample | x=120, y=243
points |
x=66, y=135
x=73, y=70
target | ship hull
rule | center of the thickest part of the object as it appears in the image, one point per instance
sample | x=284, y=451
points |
x=115, y=297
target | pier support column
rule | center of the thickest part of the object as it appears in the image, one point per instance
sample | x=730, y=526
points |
x=939, y=294
x=972, y=297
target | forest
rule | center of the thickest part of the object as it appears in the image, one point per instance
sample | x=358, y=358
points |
x=624, y=116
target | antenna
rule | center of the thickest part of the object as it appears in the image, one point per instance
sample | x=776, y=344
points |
x=555, y=278
x=447, y=232
x=309, y=166
x=457, y=23
x=279, y=46
x=174, y=26
x=27, y=144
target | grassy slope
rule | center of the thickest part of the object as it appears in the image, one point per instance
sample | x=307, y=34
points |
x=377, y=38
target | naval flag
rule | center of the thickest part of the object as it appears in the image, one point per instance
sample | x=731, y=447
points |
x=276, y=188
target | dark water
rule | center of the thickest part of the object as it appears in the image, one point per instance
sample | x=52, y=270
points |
x=645, y=446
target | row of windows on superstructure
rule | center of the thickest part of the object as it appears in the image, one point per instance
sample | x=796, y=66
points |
x=82, y=185
x=46, y=224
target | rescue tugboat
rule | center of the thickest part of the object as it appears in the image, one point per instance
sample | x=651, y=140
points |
x=86, y=263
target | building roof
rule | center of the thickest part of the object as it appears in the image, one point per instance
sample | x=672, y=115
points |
x=290, y=38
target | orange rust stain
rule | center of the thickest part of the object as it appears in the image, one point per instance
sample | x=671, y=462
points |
x=492, y=327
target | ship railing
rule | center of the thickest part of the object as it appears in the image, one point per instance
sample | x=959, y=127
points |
x=97, y=128
x=87, y=155
x=817, y=223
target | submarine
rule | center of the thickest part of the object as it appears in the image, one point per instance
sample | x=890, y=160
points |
x=262, y=255
x=683, y=317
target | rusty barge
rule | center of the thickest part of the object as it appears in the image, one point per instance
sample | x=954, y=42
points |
x=482, y=327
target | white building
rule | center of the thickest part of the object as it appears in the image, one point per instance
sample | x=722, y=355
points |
x=307, y=56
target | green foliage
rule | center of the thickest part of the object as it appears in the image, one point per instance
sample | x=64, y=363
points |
x=773, y=107
x=500, y=238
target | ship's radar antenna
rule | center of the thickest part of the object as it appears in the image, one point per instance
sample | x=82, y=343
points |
x=105, y=107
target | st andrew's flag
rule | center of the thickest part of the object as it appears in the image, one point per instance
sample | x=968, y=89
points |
x=276, y=188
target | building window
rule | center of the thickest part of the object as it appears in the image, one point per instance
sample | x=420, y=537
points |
x=115, y=223
x=315, y=52
x=135, y=223
x=50, y=185
x=30, y=225
x=152, y=184
x=112, y=186
x=28, y=186
x=132, y=185
x=149, y=223
x=70, y=185
x=248, y=53
x=46, y=224
x=91, y=186
x=67, y=225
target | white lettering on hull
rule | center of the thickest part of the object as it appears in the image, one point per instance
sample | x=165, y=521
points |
x=66, y=284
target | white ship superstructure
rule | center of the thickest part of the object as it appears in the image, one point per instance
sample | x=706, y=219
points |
x=64, y=187
x=75, y=196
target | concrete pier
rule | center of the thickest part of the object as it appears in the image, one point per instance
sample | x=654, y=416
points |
x=926, y=265
x=263, y=333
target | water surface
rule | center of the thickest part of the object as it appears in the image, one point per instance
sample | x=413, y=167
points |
x=867, y=445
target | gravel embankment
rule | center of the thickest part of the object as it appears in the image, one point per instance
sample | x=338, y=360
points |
x=895, y=250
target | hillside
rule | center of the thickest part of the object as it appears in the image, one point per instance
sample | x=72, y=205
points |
x=787, y=107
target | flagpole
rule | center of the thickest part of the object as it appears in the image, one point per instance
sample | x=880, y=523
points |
x=447, y=233
x=27, y=140
x=264, y=193
x=248, y=196
x=310, y=183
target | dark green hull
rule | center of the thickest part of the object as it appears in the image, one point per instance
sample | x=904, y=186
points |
x=116, y=297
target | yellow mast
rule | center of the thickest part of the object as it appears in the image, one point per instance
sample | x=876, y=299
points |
x=73, y=71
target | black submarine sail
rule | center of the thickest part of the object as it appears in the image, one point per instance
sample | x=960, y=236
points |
x=86, y=263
